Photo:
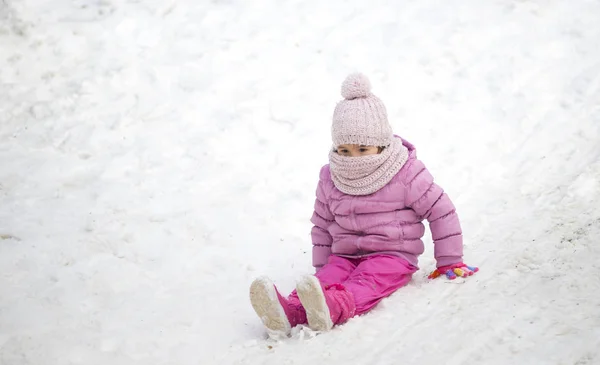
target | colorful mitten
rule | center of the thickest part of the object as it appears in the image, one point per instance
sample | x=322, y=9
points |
x=452, y=271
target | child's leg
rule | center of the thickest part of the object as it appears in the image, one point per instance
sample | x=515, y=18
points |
x=337, y=270
x=280, y=314
x=375, y=278
x=318, y=299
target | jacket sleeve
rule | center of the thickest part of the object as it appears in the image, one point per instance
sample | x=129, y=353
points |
x=322, y=219
x=430, y=202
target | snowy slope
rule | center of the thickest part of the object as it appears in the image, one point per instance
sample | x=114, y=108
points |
x=156, y=156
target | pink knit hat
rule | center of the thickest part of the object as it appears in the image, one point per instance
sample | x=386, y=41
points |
x=361, y=118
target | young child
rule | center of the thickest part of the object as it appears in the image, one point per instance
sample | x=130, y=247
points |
x=371, y=200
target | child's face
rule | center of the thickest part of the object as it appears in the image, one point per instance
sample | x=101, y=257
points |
x=355, y=150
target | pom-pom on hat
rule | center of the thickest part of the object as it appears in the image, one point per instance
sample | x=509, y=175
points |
x=361, y=118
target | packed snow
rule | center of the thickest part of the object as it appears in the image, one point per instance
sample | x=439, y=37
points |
x=157, y=156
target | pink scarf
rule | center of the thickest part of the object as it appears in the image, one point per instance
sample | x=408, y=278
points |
x=367, y=174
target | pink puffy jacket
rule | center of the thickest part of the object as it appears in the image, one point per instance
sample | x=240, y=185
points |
x=388, y=221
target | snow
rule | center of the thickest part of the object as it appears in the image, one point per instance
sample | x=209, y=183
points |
x=157, y=156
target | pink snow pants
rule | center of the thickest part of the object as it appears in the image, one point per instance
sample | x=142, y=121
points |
x=369, y=279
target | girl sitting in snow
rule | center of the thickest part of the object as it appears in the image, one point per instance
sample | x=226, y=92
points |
x=371, y=200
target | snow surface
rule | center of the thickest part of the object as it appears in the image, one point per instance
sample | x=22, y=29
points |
x=156, y=156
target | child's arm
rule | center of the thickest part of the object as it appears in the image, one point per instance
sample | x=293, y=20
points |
x=430, y=202
x=321, y=218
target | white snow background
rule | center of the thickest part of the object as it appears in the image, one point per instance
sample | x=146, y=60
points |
x=156, y=156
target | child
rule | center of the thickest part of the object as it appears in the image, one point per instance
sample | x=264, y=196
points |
x=371, y=200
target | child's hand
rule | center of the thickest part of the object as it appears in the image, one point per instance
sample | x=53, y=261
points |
x=452, y=271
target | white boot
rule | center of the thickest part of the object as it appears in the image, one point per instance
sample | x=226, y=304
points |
x=313, y=300
x=265, y=302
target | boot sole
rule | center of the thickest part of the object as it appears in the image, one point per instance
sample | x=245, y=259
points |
x=313, y=300
x=266, y=305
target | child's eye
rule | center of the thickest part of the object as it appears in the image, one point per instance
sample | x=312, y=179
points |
x=363, y=150
x=343, y=151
